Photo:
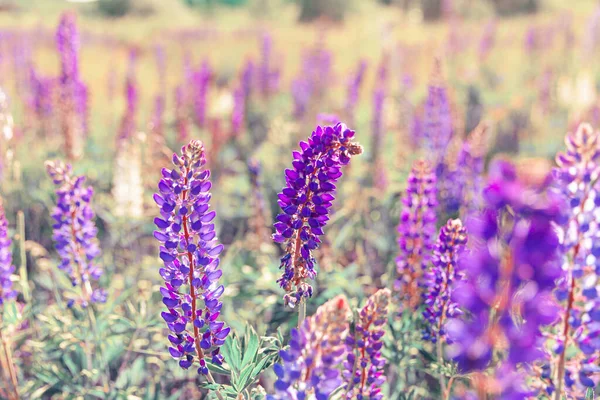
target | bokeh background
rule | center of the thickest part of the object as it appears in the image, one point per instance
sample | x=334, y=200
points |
x=527, y=69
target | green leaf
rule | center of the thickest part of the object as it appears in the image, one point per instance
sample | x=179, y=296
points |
x=217, y=369
x=589, y=394
x=251, y=350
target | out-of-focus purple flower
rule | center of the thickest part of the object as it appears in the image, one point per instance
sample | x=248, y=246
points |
x=6, y=266
x=363, y=368
x=488, y=39
x=74, y=232
x=68, y=43
x=313, y=79
x=238, y=112
x=577, y=174
x=309, y=366
x=190, y=252
x=437, y=125
x=416, y=233
x=42, y=94
x=128, y=123
x=440, y=279
x=247, y=78
x=73, y=92
x=161, y=67
x=305, y=201
x=201, y=81
x=592, y=33
x=513, y=268
x=353, y=88
x=301, y=93
x=532, y=40
x=467, y=182
x=268, y=78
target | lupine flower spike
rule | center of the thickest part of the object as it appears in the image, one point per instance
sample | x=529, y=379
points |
x=440, y=279
x=416, y=233
x=363, y=368
x=510, y=276
x=190, y=252
x=6, y=266
x=306, y=200
x=309, y=366
x=577, y=175
x=75, y=233
x=73, y=92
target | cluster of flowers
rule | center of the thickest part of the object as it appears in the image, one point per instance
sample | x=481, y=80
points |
x=306, y=200
x=190, y=252
x=74, y=232
x=512, y=268
x=310, y=366
x=6, y=266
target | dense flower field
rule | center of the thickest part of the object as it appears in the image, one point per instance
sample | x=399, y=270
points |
x=419, y=222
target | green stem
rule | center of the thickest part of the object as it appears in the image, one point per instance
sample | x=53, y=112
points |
x=301, y=313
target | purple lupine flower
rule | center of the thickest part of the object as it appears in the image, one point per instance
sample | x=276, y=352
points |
x=510, y=275
x=6, y=266
x=353, y=88
x=268, y=79
x=309, y=365
x=577, y=173
x=247, y=78
x=238, y=111
x=181, y=115
x=74, y=232
x=440, y=279
x=416, y=233
x=305, y=201
x=73, y=92
x=467, y=182
x=68, y=42
x=201, y=81
x=363, y=368
x=313, y=79
x=301, y=94
x=42, y=92
x=128, y=123
x=377, y=125
x=190, y=252
x=437, y=125
x=157, y=121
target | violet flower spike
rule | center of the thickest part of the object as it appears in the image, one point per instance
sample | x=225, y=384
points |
x=305, y=202
x=363, y=368
x=416, y=233
x=309, y=366
x=7, y=268
x=579, y=291
x=514, y=234
x=439, y=280
x=74, y=233
x=190, y=252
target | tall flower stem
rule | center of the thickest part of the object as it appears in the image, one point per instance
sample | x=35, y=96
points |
x=560, y=376
x=10, y=366
x=440, y=357
x=212, y=380
x=301, y=313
